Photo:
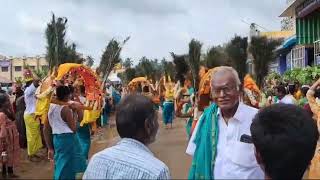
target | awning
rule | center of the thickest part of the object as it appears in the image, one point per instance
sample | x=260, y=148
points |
x=291, y=41
x=288, y=43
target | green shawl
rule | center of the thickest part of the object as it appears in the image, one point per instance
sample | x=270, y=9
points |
x=206, y=141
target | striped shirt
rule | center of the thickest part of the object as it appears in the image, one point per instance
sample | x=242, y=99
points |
x=129, y=159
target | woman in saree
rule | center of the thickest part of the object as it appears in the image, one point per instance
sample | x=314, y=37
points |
x=9, y=138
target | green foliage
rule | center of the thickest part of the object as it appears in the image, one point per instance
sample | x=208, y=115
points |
x=149, y=68
x=127, y=63
x=18, y=80
x=89, y=61
x=167, y=68
x=181, y=67
x=262, y=50
x=110, y=57
x=215, y=56
x=58, y=50
x=194, y=60
x=41, y=73
x=127, y=75
x=237, y=52
x=302, y=75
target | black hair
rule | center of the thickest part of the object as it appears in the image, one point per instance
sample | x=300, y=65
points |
x=71, y=88
x=62, y=92
x=28, y=83
x=132, y=113
x=3, y=98
x=145, y=89
x=285, y=136
x=291, y=89
x=304, y=90
x=82, y=89
x=281, y=89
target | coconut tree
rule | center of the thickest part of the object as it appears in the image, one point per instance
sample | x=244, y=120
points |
x=262, y=50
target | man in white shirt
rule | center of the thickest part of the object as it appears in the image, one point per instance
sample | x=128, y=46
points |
x=34, y=141
x=284, y=97
x=231, y=152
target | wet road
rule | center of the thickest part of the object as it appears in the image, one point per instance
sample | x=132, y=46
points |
x=169, y=147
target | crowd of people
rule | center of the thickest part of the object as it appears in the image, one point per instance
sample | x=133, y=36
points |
x=229, y=137
x=58, y=133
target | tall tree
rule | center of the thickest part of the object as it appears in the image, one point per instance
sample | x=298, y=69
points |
x=181, y=67
x=262, y=50
x=237, y=52
x=146, y=68
x=89, y=61
x=127, y=75
x=71, y=56
x=214, y=57
x=58, y=50
x=127, y=63
x=194, y=60
x=55, y=35
x=167, y=68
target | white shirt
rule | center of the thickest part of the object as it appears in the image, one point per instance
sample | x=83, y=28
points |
x=58, y=125
x=129, y=159
x=287, y=99
x=30, y=99
x=235, y=159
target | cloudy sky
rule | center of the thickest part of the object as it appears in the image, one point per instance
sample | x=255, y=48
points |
x=156, y=27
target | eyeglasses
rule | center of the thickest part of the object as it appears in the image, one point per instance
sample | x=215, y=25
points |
x=226, y=90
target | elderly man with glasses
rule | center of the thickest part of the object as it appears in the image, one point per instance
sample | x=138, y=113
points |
x=221, y=143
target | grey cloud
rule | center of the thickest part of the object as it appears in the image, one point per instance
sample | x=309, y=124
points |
x=156, y=27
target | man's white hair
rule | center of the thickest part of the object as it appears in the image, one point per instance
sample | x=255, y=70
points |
x=227, y=69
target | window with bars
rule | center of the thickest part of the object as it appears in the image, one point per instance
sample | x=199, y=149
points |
x=298, y=57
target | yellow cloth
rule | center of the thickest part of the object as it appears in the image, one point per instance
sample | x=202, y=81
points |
x=34, y=140
x=90, y=116
x=298, y=95
x=314, y=170
x=43, y=104
x=65, y=68
x=169, y=95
